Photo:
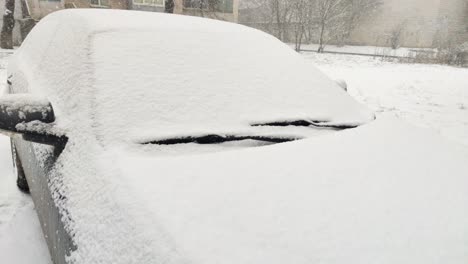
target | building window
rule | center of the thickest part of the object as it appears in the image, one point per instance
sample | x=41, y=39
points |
x=196, y=4
x=225, y=6
x=149, y=2
x=99, y=3
x=222, y=6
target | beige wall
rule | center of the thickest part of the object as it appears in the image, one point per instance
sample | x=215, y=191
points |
x=421, y=20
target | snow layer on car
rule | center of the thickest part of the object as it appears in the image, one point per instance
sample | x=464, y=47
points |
x=215, y=76
x=105, y=88
x=382, y=193
x=134, y=71
x=24, y=103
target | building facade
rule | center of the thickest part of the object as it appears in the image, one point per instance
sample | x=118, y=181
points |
x=422, y=23
x=40, y=8
x=34, y=10
x=27, y=12
x=223, y=9
x=226, y=10
x=419, y=23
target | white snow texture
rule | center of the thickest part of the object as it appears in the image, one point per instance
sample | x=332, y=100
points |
x=384, y=192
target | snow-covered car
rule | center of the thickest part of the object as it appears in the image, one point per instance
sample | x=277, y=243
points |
x=154, y=138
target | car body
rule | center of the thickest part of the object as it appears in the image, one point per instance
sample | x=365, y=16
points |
x=178, y=139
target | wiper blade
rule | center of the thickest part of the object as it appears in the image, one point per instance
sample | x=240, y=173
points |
x=307, y=123
x=217, y=139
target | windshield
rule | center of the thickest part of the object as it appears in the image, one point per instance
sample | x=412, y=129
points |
x=214, y=81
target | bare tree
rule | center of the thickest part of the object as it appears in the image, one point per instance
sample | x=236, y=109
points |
x=276, y=14
x=280, y=13
x=6, y=35
x=315, y=20
x=359, y=10
x=300, y=17
x=330, y=16
x=396, y=35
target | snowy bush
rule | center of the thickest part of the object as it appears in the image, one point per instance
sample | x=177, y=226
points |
x=453, y=55
x=456, y=55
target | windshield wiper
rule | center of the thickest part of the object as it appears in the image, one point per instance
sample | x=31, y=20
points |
x=217, y=139
x=307, y=123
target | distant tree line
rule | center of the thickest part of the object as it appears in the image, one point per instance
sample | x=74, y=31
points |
x=321, y=20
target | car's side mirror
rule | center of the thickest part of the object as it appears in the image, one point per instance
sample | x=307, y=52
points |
x=19, y=111
x=16, y=109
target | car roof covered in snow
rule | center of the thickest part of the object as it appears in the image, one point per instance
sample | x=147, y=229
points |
x=124, y=72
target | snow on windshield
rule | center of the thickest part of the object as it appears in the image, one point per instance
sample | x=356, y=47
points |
x=208, y=77
x=165, y=75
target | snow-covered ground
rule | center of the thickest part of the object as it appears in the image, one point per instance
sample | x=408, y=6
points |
x=430, y=96
x=368, y=50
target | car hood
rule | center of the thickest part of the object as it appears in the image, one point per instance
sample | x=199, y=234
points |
x=381, y=193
